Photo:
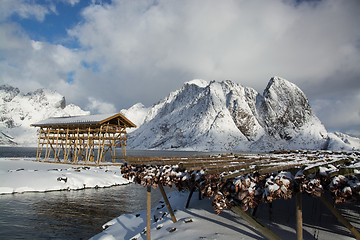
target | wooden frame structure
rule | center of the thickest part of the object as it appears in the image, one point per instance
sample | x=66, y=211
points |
x=243, y=165
x=78, y=137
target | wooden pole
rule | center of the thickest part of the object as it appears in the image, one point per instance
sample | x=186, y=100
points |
x=121, y=144
x=38, y=148
x=56, y=146
x=47, y=152
x=148, y=214
x=163, y=193
x=254, y=223
x=87, y=151
x=67, y=148
x=190, y=195
x=299, y=221
x=41, y=143
x=98, y=155
x=340, y=217
x=125, y=144
x=102, y=147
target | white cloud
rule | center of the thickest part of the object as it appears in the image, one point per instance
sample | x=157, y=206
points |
x=247, y=41
x=100, y=106
x=342, y=112
x=23, y=8
x=139, y=51
x=71, y=2
x=30, y=64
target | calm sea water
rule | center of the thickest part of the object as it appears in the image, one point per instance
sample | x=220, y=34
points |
x=70, y=214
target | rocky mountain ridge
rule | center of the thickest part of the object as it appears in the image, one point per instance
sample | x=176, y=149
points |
x=225, y=116
x=201, y=116
x=19, y=110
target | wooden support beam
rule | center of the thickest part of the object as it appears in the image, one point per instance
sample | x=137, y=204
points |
x=125, y=144
x=88, y=147
x=163, y=193
x=38, y=148
x=47, y=152
x=148, y=213
x=299, y=219
x=255, y=224
x=77, y=141
x=56, y=147
x=339, y=216
x=190, y=195
x=67, y=148
x=99, y=148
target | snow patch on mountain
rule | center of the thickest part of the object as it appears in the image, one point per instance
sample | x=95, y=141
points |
x=136, y=113
x=341, y=141
x=18, y=111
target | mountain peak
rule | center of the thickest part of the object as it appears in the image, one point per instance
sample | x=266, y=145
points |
x=225, y=116
x=199, y=82
x=8, y=92
x=19, y=110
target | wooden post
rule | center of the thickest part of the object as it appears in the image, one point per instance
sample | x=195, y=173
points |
x=47, y=152
x=148, y=214
x=121, y=144
x=299, y=221
x=125, y=143
x=66, y=153
x=167, y=203
x=255, y=224
x=102, y=147
x=113, y=148
x=340, y=217
x=76, y=146
x=38, y=148
x=56, y=146
x=190, y=195
x=99, y=148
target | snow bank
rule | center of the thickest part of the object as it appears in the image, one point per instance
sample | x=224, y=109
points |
x=27, y=175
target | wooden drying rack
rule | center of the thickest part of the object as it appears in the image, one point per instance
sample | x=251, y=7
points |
x=243, y=164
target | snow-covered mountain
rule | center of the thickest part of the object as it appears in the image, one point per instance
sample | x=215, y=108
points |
x=19, y=110
x=225, y=116
x=202, y=115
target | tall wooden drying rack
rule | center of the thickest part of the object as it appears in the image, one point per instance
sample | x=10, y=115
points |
x=77, y=137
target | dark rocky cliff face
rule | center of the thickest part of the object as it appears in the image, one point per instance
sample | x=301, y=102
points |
x=284, y=108
x=8, y=92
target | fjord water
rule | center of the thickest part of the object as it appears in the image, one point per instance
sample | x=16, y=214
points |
x=70, y=214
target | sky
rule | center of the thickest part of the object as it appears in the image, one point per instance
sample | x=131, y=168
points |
x=105, y=56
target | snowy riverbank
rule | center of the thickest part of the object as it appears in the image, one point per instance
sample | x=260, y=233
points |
x=20, y=175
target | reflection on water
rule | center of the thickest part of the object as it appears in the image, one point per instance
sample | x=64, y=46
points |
x=68, y=214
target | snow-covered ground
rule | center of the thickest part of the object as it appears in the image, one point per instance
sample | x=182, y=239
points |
x=27, y=175
x=200, y=221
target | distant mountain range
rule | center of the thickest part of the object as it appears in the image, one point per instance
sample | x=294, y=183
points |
x=19, y=110
x=201, y=116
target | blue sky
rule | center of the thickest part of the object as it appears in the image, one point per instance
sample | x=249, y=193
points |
x=109, y=55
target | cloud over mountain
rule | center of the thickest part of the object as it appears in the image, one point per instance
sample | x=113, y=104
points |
x=123, y=52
